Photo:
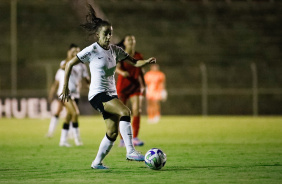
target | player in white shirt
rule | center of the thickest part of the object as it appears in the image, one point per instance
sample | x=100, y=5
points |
x=102, y=58
x=79, y=73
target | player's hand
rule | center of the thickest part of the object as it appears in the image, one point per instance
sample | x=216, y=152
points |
x=151, y=60
x=143, y=91
x=65, y=95
x=164, y=95
x=125, y=74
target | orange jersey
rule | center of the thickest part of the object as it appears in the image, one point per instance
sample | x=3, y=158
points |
x=129, y=85
x=155, y=84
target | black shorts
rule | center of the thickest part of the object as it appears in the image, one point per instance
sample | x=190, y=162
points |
x=97, y=103
x=76, y=101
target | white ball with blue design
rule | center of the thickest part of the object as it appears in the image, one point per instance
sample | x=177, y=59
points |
x=155, y=159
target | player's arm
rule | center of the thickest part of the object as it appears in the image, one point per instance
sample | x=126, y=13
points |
x=53, y=90
x=63, y=65
x=140, y=63
x=164, y=91
x=120, y=71
x=142, y=81
x=68, y=68
x=87, y=80
x=142, y=77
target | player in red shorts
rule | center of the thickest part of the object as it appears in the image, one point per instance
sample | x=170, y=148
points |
x=131, y=86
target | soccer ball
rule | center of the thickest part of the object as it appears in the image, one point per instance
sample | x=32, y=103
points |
x=155, y=159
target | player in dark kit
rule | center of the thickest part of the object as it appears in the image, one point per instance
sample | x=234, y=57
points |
x=131, y=86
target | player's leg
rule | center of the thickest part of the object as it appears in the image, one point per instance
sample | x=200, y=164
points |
x=116, y=107
x=156, y=111
x=150, y=110
x=54, y=119
x=107, y=143
x=136, y=103
x=71, y=128
x=64, y=131
x=74, y=111
x=124, y=99
x=71, y=131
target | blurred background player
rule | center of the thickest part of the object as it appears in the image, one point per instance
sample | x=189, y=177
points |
x=56, y=87
x=155, y=92
x=79, y=72
x=131, y=86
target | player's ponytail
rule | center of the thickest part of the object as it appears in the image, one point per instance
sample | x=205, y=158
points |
x=93, y=23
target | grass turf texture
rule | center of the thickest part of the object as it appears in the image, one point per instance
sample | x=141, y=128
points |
x=199, y=150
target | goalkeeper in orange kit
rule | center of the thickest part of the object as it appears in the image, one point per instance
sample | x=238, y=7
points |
x=156, y=92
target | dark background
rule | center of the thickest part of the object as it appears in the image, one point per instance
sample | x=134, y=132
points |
x=227, y=37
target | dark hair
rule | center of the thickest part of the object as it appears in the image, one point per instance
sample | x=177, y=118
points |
x=93, y=23
x=121, y=43
x=73, y=45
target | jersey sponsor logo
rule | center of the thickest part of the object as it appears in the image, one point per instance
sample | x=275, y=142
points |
x=87, y=54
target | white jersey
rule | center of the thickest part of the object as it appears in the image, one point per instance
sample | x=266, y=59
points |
x=78, y=72
x=102, y=64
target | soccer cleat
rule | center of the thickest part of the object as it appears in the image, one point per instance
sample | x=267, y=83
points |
x=64, y=144
x=99, y=166
x=78, y=142
x=121, y=143
x=135, y=156
x=154, y=120
x=137, y=142
x=49, y=135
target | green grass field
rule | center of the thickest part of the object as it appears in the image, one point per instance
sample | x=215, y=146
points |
x=199, y=150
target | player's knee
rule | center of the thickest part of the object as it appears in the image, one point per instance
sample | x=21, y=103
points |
x=75, y=114
x=136, y=112
x=124, y=112
x=112, y=135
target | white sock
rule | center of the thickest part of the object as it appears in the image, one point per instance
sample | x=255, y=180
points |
x=104, y=149
x=126, y=133
x=52, y=126
x=64, y=135
x=76, y=134
x=71, y=131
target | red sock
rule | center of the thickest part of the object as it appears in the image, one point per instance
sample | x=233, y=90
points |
x=135, y=125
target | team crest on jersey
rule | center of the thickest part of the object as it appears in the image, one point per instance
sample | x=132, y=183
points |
x=87, y=54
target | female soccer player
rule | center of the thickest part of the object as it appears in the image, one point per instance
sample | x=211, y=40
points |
x=155, y=81
x=57, y=86
x=102, y=58
x=131, y=86
x=72, y=110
